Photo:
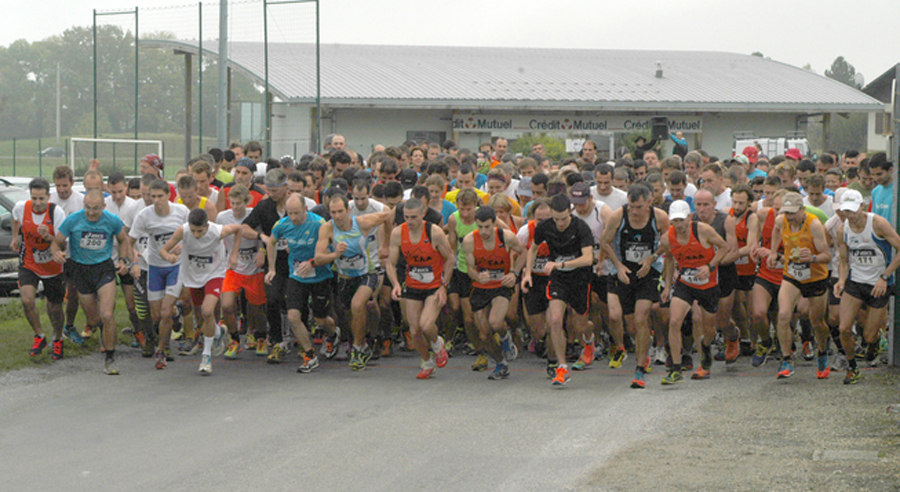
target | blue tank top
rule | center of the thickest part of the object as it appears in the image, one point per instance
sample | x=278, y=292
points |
x=354, y=262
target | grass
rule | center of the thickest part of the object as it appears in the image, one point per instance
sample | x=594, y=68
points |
x=16, y=335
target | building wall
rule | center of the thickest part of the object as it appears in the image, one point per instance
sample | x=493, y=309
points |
x=875, y=141
x=291, y=130
x=718, y=131
x=364, y=128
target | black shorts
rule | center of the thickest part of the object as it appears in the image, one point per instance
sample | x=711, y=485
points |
x=535, y=299
x=126, y=279
x=771, y=288
x=347, y=287
x=832, y=301
x=461, y=284
x=89, y=278
x=401, y=275
x=727, y=280
x=811, y=289
x=708, y=299
x=417, y=294
x=599, y=285
x=577, y=295
x=744, y=282
x=646, y=288
x=863, y=292
x=482, y=298
x=54, y=287
x=69, y=270
x=298, y=293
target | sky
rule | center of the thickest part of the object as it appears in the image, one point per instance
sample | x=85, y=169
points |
x=796, y=32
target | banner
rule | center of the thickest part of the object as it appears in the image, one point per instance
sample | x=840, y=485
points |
x=478, y=123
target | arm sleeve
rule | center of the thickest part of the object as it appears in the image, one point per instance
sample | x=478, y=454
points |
x=137, y=229
x=59, y=215
x=18, y=212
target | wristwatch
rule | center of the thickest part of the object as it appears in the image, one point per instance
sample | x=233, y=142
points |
x=885, y=277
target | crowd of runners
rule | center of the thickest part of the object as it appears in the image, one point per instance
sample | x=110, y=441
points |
x=456, y=252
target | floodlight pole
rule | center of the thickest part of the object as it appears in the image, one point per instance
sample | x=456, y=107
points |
x=95, y=81
x=136, y=66
x=200, y=83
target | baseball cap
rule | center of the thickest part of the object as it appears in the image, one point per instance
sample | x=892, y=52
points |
x=524, y=188
x=793, y=154
x=791, y=203
x=408, y=178
x=742, y=159
x=752, y=153
x=155, y=161
x=248, y=163
x=851, y=201
x=580, y=193
x=679, y=209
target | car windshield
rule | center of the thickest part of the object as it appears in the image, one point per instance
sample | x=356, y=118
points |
x=13, y=196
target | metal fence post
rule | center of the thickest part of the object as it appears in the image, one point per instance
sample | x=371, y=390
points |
x=40, y=159
x=14, y=156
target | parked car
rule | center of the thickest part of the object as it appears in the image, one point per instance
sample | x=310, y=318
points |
x=53, y=152
x=9, y=259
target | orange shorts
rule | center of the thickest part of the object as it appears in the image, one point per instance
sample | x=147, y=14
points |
x=254, y=286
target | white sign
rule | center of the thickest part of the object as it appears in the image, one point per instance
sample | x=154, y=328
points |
x=486, y=123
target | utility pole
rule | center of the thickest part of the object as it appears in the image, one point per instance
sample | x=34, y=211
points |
x=222, y=109
x=57, y=103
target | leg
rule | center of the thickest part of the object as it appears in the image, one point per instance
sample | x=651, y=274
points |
x=642, y=329
x=678, y=310
x=106, y=298
x=555, y=314
x=788, y=297
x=414, y=310
x=359, y=314
x=28, y=293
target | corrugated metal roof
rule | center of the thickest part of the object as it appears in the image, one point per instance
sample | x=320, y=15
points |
x=507, y=77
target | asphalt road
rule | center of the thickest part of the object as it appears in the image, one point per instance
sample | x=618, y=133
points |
x=253, y=426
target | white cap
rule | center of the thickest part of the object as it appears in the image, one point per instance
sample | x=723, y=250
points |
x=679, y=209
x=851, y=201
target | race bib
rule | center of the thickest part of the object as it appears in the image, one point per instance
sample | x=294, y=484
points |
x=635, y=253
x=495, y=274
x=200, y=263
x=162, y=239
x=42, y=256
x=93, y=240
x=799, y=271
x=421, y=274
x=246, y=255
x=863, y=257
x=562, y=259
x=743, y=260
x=298, y=264
x=539, y=264
x=281, y=245
x=691, y=276
x=353, y=263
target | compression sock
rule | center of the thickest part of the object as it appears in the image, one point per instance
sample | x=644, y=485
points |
x=207, y=345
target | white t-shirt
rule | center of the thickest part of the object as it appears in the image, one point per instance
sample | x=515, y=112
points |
x=126, y=212
x=827, y=206
x=18, y=215
x=158, y=230
x=70, y=205
x=689, y=190
x=723, y=201
x=374, y=233
x=595, y=222
x=615, y=200
x=249, y=247
x=202, y=259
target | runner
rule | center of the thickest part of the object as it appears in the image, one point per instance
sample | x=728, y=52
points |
x=865, y=241
x=344, y=240
x=247, y=276
x=90, y=234
x=460, y=224
x=202, y=270
x=299, y=232
x=535, y=300
x=121, y=205
x=429, y=260
x=570, y=244
x=70, y=202
x=190, y=198
x=805, y=275
x=696, y=251
x=158, y=223
x=138, y=272
x=746, y=228
x=34, y=225
x=631, y=239
x=488, y=254
x=243, y=174
x=763, y=308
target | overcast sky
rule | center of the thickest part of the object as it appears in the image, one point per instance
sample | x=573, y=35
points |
x=791, y=31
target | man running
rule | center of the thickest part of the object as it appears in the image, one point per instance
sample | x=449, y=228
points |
x=34, y=225
x=429, y=263
x=488, y=255
x=202, y=270
x=805, y=275
x=535, y=301
x=746, y=229
x=696, y=251
x=865, y=241
x=124, y=207
x=571, y=245
x=344, y=240
x=460, y=224
x=70, y=202
x=90, y=232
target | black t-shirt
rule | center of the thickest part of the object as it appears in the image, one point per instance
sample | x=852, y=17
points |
x=565, y=245
x=431, y=215
x=263, y=217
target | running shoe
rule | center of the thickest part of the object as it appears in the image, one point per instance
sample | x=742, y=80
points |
x=500, y=372
x=250, y=342
x=822, y=369
x=428, y=368
x=87, y=333
x=853, y=376
x=706, y=358
x=700, y=373
x=660, y=358
x=262, y=347
x=572, y=352
x=407, y=341
x=747, y=349
x=219, y=344
x=110, y=367
x=57, y=353
x=587, y=353
x=72, y=334
x=190, y=347
x=579, y=365
x=177, y=334
x=366, y=355
x=387, y=347
x=840, y=363
x=674, y=377
x=761, y=356
x=687, y=362
x=551, y=369
x=343, y=350
x=37, y=346
x=786, y=371
x=233, y=349
x=275, y=354
x=481, y=363
x=872, y=357
x=441, y=357
x=732, y=351
x=808, y=353
x=638, y=381
x=205, y=365
x=562, y=376
x=168, y=353
x=510, y=351
x=139, y=340
x=355, y=363
x=160, y=359
x=720, y=353
x=617, y=357
x=308, y=364
x=540, y=348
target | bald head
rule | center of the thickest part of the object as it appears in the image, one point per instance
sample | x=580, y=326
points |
x=704, y=194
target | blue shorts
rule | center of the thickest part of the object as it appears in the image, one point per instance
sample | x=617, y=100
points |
x=162, y=281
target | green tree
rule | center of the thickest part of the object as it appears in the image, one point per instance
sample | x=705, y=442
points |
x=842, y=71
x=554, y=147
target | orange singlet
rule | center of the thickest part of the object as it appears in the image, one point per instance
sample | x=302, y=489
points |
x=494, y=261
x=543, y=252
x=35, y=251
x=801, y=272
x=745, y=267
x=770, y=274
x=425, y=264
x=691, y=256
